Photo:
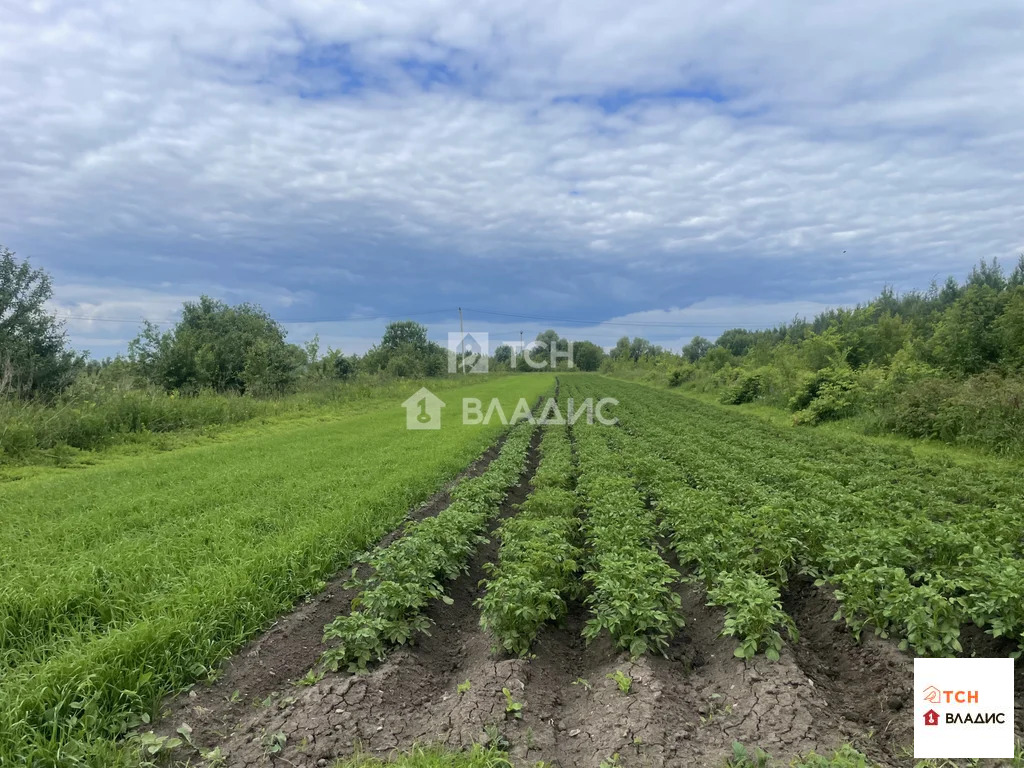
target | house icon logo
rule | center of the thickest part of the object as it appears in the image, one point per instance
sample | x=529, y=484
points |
x=423, y=410
x=467, y=352
x=932, y=695
x=931, y=717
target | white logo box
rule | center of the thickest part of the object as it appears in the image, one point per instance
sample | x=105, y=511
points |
x=970, y=702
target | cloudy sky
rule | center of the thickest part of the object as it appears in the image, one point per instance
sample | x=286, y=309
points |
x=667, y=167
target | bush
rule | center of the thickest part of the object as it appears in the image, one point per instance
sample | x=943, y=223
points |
x=984, y=411
x=750, y=387
x=831, y=393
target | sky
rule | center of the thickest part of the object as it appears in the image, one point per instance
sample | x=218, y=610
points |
x=661, y=168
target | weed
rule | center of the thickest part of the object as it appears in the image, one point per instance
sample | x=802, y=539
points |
x=622, y=680
x=513, y=708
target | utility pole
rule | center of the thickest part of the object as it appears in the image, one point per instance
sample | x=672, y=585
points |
x=462, y=342
x=522, y=349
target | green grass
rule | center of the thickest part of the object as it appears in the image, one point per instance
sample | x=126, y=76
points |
x=90, y=421
x=431, y=757
x=122, y=582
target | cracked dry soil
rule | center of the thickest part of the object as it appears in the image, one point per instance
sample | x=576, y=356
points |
x=684, y=710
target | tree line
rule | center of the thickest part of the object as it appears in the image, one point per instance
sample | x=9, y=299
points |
x=213, y=347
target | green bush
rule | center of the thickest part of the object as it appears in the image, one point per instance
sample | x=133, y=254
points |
x=750, y=387
x=985, y=411
x=831, y=393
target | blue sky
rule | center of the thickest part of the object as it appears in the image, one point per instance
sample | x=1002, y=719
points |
x=669, y=168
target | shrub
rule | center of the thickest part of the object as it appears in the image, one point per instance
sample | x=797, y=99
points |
x=831, y=393
x=749, y=388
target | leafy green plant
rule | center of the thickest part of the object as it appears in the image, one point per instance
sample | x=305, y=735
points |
x=744, y=758
x=153, y=744
x=513, y=708
x=408, y=575
x=622, y=680
x=312, y=677
x=464, y=687
x=539, y=555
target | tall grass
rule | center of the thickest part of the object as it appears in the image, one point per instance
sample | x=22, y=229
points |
x=92, y=416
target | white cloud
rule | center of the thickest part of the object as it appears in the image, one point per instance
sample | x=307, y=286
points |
x=660, y=134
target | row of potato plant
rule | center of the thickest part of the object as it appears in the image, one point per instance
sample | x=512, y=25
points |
x=632, y=595
x=711, y=541
x=915, y=547
x=409, y=574
x=538, y=561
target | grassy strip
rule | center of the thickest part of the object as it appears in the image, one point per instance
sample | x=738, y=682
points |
x=632, y=595
x=539, y=553
x=433, y=757
x=410, y=573
x=190, y=553
x=91, y=418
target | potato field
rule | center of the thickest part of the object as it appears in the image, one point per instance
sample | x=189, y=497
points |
x=689, y=586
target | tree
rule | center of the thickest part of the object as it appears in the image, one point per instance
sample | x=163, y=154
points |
x=640, y=347
x=404, y=351
x=503, y=355
x=34, y=354
x=966, y=339
x=587, y=356
x=217, y=346
x=621, y=349
x=737, y=340
x=405, y=333
x=1010, y=327
x=696, y=349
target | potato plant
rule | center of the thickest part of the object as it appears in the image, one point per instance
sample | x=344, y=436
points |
x=408, y=575
x=538, y=561
x=632, y=595
x=915, y=547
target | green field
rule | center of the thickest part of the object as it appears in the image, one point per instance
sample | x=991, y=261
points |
x=128, y=580
x=125, y=581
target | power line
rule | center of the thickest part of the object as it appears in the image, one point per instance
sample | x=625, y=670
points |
x=361, y=318
x=139, y=320
x=601, y=322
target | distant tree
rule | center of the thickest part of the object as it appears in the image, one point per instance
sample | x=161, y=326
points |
x=737, y=340
x=217, y=346
x=621, y=349
x=1016, y=277
x=587, y=356
x=405, y=333
x=405, y=351
x=640, y=347
x=344, y=367
x=34, y=354
x=697, y=348
x=1010, y=327
x=966, y=339
x=503, y=355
